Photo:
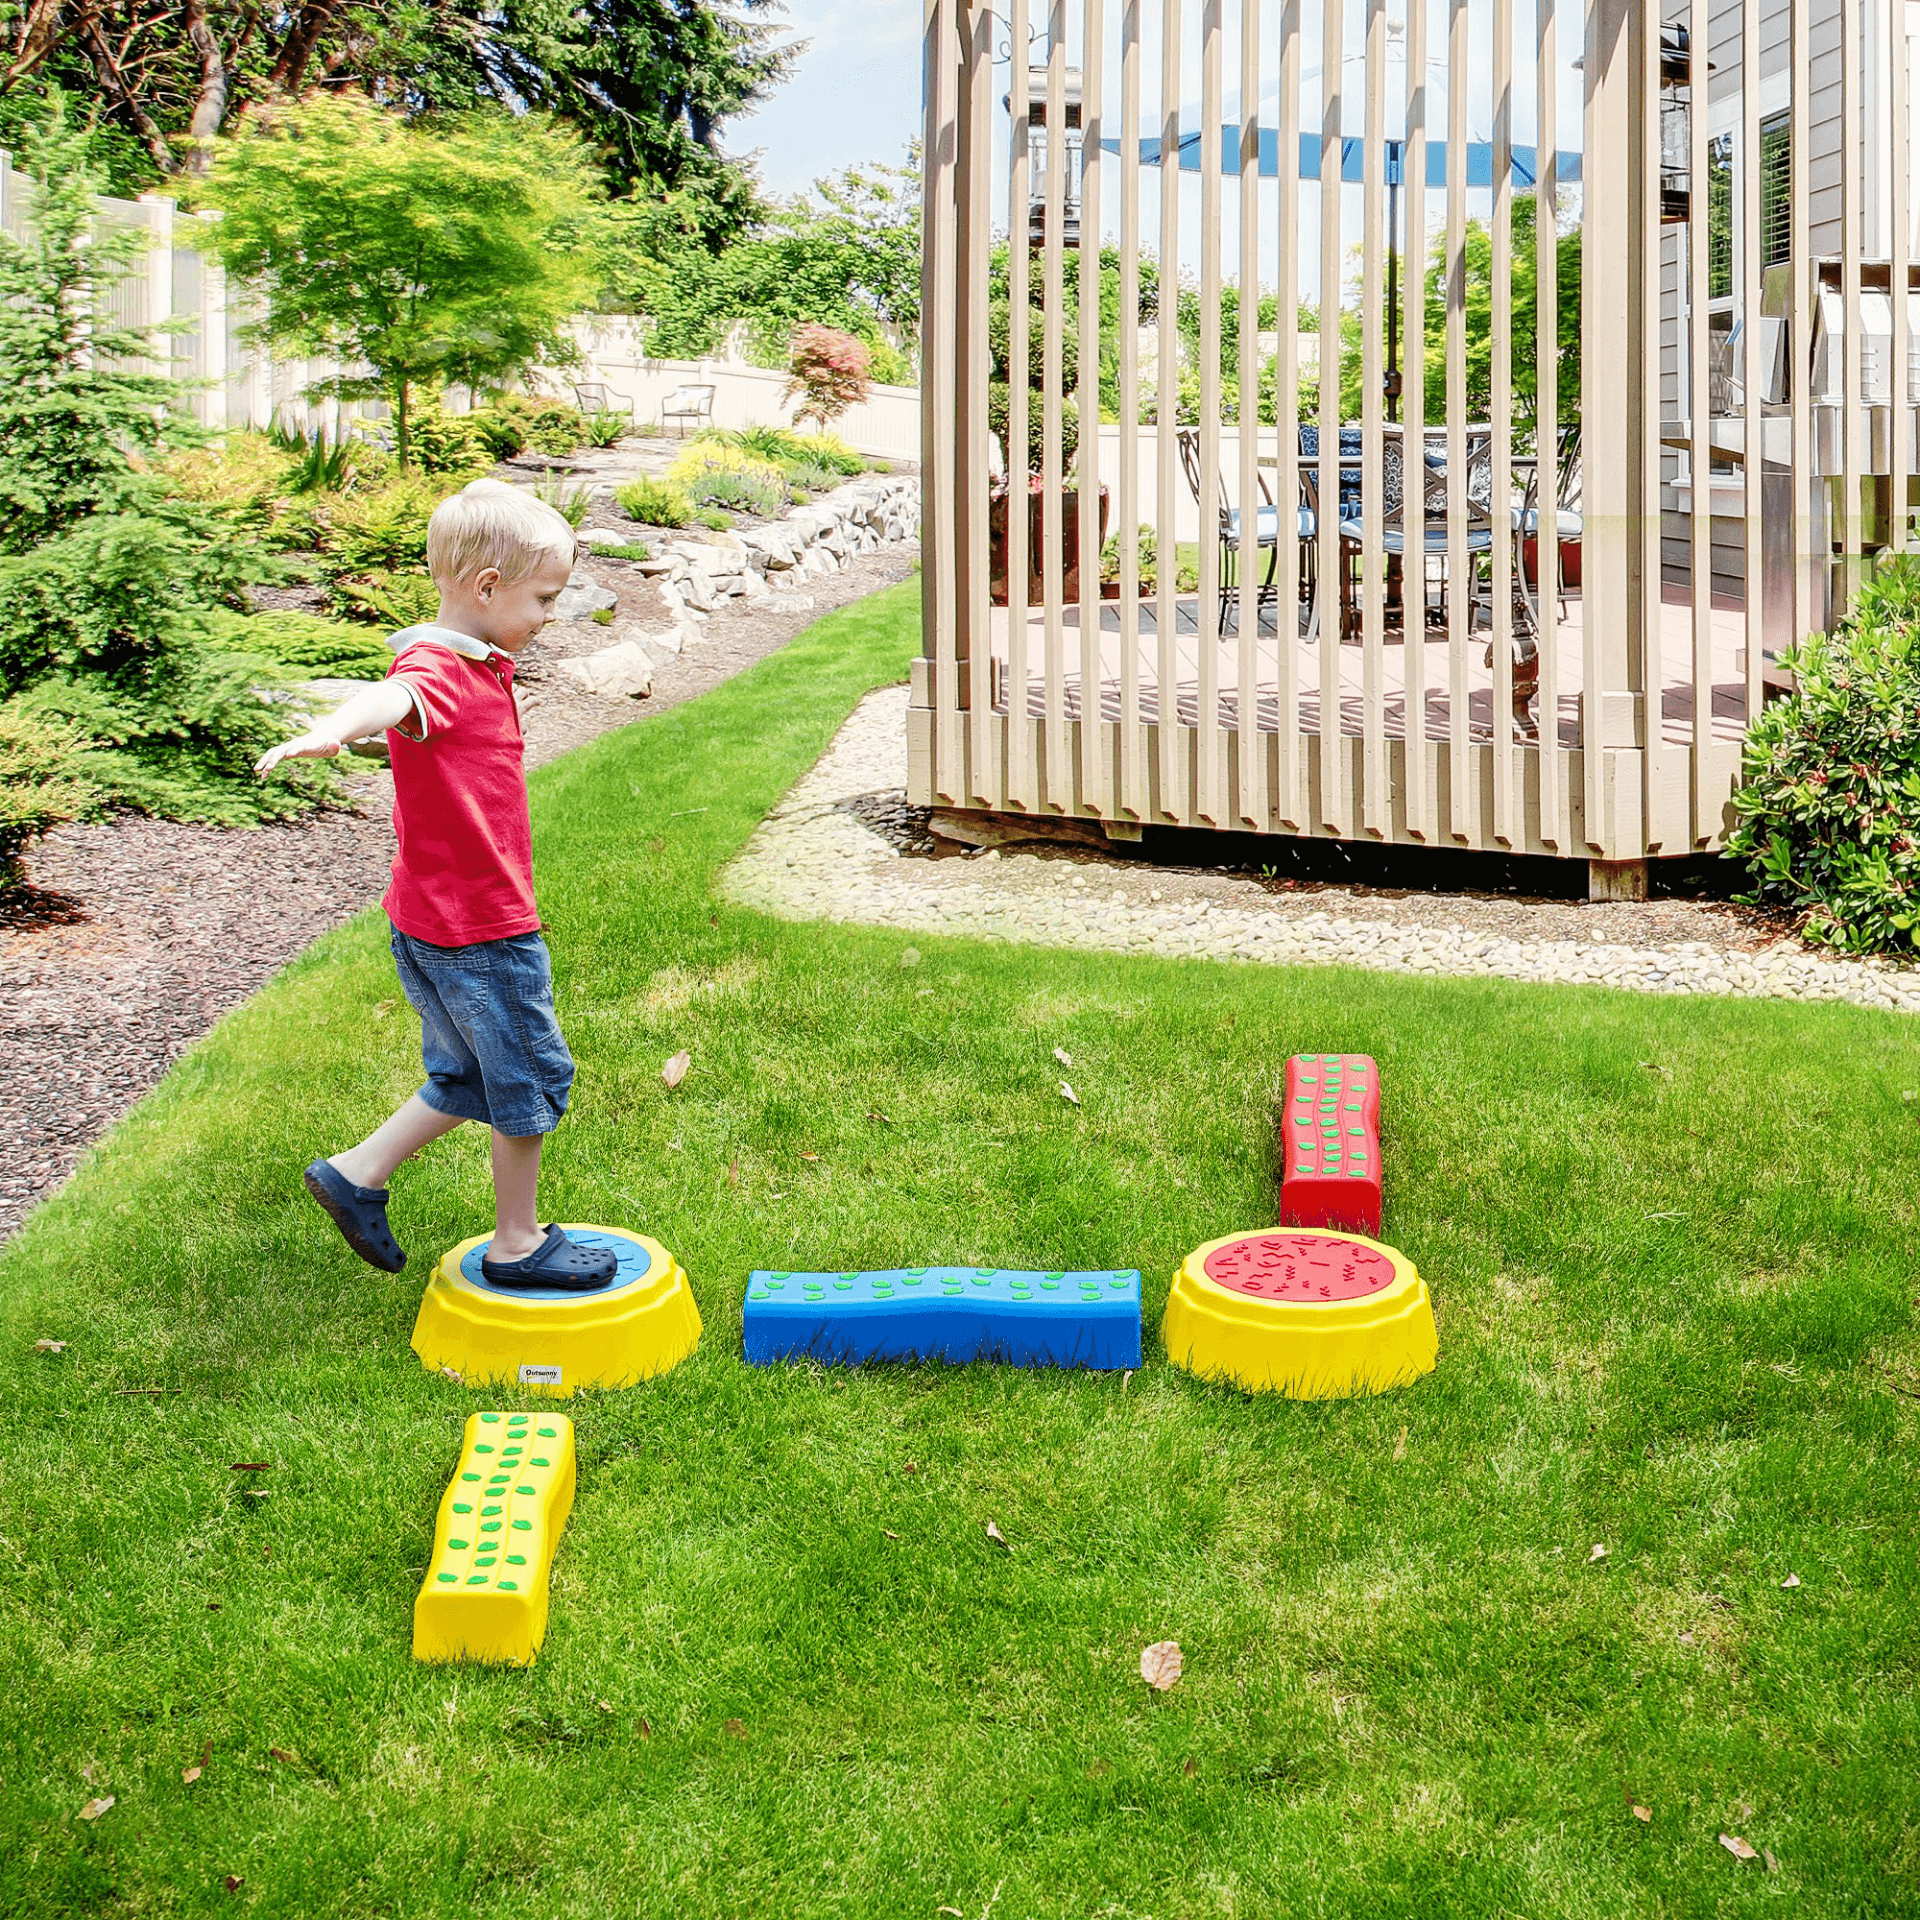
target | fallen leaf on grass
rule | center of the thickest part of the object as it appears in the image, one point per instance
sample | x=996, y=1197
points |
x=1738, y=1847
x=605, y=1706
x=381, y=1008
x=909, y=956
x=1599, y=1553
x=876, y=1114
x=1792, y=1580
x=1643, y=1814
x=233, y=1883
x=733, y=1171
x=283, y=1756
x=213, y=1606
x=738, y=1728
x=1653, y=1067
x=1063, y=1056
x=453, y=1374
x=889, y=1532
x=250, y=1466
x=49, y=1346
x=188, y=1775
x=1160, y=1664
x=998, y=1538
x=676, y=1069
x=809, y=1156
x=642, y=1729
x=1124, y=1378
x=1400, y=1445
x=912, y=1466
x=95, y=1808
x=1189, y=1769
x=1067, y=1094
x=955, y=1911
x=1766, y=1854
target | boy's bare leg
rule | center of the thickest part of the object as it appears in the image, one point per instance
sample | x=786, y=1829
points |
x=516, y=1177
x=372, y=1162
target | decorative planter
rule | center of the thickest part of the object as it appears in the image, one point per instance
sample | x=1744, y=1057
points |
x=1036, y=546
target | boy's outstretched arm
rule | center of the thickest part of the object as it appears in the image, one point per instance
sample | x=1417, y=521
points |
x=373, y=710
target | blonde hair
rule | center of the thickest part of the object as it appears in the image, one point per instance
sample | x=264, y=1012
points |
x=490, y=524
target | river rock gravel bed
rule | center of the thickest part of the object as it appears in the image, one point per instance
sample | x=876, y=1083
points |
x=845, y=845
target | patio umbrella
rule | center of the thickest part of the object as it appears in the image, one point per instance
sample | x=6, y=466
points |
x=1479, y=163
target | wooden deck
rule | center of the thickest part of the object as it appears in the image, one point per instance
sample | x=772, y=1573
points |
x=1729, y=716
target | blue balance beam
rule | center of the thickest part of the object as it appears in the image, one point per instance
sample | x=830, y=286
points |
x=955, y=1314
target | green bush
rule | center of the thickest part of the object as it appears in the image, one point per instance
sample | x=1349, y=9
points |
x=568, y=498
x=784, y=448
x=712, y=519
x=307, y=644
x=547, y=426
x=606, y=427
x=42, y=780
x=1829, y=805
x=388, y=596
x=739, y=492
x=447, y=443
x=998, y=408
x=656, y=503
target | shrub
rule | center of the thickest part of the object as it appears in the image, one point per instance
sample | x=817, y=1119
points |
x=388, y=596
x=307, y=644
x=998, y=408
x=447, y=443
x=633, y=550
x=606, y=427
x=249, y=476
x=712, y=519
x=547, y=426
x=569, y=500
x=382, y=526
x=714, y=474
x=888, y=366
x=655, y=503
x=42, y=781
x=1829, y=805
x=829, y=371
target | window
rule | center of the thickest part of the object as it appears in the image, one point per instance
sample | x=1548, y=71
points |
x=1720, y=217
x=1776, y=188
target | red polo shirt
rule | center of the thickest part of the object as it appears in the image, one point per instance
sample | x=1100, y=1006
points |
x=464, y=869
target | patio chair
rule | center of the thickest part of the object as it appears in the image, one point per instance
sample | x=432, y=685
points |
x=1393, y=539
x=1266, y=529
x=693, y=403
x=594, y=397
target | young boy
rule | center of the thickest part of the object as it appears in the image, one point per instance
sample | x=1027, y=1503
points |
x=465, y=928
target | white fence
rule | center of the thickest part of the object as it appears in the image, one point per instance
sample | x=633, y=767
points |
x=239, y=383
x=887, y=424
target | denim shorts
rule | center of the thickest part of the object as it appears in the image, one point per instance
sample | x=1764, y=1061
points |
x=491, y=1044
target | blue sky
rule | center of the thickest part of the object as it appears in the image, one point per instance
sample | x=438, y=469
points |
x=855, y=95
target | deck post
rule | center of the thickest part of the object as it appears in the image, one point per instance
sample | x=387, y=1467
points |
x=1615, y=362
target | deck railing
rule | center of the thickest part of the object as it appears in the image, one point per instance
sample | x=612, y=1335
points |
x=1736, y=179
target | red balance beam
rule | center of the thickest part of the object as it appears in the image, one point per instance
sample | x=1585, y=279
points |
x=1330, y=1140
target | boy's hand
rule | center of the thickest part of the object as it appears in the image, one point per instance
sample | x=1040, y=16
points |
x=318, y=743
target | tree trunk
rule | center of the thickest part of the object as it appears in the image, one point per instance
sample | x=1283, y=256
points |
x=114, y=84
x=35, y=35
x=403, y=444
x=290, y=69
x=210, y=98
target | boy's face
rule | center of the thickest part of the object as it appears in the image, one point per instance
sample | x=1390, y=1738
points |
x=505, y=616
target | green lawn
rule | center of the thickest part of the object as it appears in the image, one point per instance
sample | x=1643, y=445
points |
x=1671, y=1248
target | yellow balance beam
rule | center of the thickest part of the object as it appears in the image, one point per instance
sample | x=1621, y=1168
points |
x=485, y=1594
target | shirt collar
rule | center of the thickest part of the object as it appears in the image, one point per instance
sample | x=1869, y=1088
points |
x=463, y=644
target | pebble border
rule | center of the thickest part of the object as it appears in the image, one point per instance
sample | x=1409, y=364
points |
x=812, y=859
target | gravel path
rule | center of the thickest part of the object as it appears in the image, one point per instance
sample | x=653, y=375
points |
x=844, y=845
x=135, y=935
